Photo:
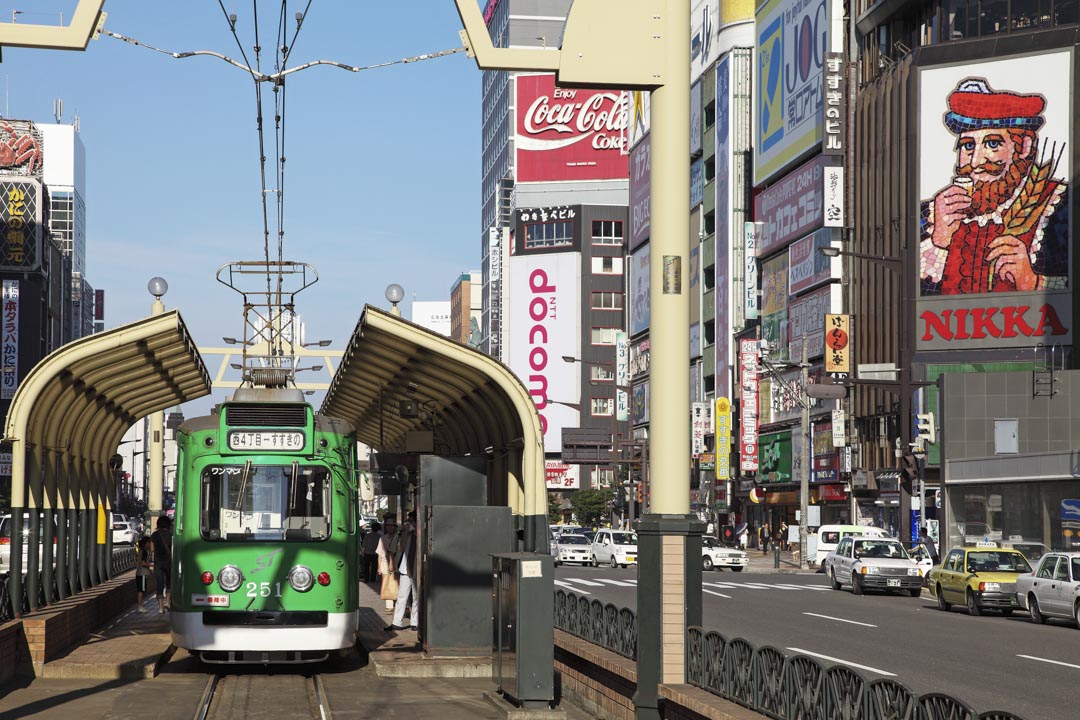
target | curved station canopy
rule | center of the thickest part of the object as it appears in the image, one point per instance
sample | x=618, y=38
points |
x=397, y=380
x=80, y=399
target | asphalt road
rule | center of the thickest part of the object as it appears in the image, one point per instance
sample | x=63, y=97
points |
x=990, y=662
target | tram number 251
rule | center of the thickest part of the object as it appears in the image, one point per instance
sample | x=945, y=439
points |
x=255, y=589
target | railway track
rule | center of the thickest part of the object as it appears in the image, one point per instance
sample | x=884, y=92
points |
x=253, y=696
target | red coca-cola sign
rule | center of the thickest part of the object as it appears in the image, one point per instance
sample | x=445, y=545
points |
x=569, y=133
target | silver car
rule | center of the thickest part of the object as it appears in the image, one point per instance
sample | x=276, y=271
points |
x=1053, y=589
x=573, y=549
x=864, y=563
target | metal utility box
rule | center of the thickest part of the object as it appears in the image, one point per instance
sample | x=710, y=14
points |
x=523, y=595
x=451, y=480
x=455, y=584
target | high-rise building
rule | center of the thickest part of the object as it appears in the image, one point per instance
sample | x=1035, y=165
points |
x=466, y=309
x=433, y=315
x=64, y=173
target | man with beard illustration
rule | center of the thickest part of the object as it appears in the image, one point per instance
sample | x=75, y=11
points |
x=1002, y=224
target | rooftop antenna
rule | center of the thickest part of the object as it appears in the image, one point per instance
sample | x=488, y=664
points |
x=58, y=109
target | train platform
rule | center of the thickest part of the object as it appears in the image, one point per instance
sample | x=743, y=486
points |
x=128, y=669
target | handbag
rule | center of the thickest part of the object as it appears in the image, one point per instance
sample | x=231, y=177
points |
x=389, y=588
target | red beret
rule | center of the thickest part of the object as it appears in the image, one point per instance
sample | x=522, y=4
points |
x=996, y=106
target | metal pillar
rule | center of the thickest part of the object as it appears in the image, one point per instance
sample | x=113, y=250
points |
x=804, y=462
x=157, y=440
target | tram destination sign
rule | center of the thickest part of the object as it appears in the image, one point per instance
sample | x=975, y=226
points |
x=265, y=440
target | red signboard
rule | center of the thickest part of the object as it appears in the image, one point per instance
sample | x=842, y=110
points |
x=569, y=133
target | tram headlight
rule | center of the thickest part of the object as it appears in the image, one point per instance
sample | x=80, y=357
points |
x=230, y=578
x=301, y=579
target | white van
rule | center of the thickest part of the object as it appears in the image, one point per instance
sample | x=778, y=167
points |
x=829, y=536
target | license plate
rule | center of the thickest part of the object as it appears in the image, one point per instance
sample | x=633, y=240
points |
x=893, y=582
x=265, y=440
x=631, y=558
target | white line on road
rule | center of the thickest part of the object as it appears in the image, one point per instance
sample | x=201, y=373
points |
x=620, y=583
x=755, y=586
x=588, y=583
x=829, y=617
x=722, y=586
x=843, y=662
x=560, y=583
x=1045, y=660
x=716, y=593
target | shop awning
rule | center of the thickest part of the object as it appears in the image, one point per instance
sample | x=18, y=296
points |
x=398, y=381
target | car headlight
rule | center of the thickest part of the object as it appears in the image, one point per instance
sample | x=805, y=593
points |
x=229, y=578
x=914, y=571
x=870, y=570
x=301, y=578
x=989, y=587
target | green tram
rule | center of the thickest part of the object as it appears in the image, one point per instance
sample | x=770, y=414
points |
x=265, y=545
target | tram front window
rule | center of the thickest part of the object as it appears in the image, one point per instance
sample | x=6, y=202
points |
x=265, y=502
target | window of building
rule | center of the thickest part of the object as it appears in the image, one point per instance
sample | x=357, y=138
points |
x=602, y=407
x=607, y=301
x=994, y=18
x=607, y=232
x=607, y=265
x=603, y=335
x=551, y=234
x=599, y=373
x=1065, y=12
x=1030, y=14
x=602, y=477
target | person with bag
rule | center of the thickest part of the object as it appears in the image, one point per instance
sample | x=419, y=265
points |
x=161, y=540
x=142, y=572
x=405, y=569
x=385, y=552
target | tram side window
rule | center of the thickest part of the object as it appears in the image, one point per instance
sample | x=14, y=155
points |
x=265, y=502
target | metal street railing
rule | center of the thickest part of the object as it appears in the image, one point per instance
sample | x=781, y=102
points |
x=765, y=679
x=122, y=561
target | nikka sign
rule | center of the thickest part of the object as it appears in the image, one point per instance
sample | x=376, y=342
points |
x=994, y=320
x=569, y=133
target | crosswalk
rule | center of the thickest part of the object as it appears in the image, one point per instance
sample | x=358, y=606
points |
x=580, y=585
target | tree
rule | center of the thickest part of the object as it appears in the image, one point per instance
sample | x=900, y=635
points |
x=554, y=511
x=591, y=505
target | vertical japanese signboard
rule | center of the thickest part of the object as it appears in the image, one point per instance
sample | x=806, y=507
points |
x=835, y=85
x=723, y=438
x=9, y=340
x=622, y=376
x=699, y=425
x=748, y=437
x=20, y=224
x=837, y=343
x=751, y=235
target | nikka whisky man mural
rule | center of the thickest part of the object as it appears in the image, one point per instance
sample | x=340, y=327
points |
x=1000, y=223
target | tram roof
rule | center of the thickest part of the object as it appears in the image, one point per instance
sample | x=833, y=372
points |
x=80, y=399
x=478, y=405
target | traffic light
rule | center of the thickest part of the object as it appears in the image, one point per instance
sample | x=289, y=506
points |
x=925, y=426
x=909, y=470
x=640, y=492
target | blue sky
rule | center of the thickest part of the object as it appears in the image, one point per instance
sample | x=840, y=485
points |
x=382, y=179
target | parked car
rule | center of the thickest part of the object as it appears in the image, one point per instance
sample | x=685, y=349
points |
x=980, y=576
x=617, y=548
x=573, y=549
x=865, y=562
x=829, y=536
x=715, y=554
x=923, y=559
x=5, y=542
x=123, y=533
x=1053, y=589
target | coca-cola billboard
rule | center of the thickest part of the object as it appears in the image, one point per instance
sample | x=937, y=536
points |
x=569, y=133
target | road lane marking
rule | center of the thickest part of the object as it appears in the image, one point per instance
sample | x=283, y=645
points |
x=587, y=583
x=1045, y=660
x=716, y=593
x=829, y=617
x=755, y=586
x=560, y=583
x=843, y=662
x=722, y=586
x=620, y=583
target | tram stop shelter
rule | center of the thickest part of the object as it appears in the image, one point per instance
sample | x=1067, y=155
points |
x=397, y=378
x=64, y=423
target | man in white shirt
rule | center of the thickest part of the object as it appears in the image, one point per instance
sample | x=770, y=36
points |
x=405, y=567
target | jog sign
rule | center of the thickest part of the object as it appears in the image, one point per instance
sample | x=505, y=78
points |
x=837, y=343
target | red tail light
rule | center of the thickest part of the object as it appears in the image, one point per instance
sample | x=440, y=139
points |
x=5, y=541
x=207, y=577
x=323, y=579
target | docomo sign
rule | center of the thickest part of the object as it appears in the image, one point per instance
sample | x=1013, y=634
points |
x=569, y=134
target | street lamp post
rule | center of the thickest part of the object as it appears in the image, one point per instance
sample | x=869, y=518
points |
x=157, y=287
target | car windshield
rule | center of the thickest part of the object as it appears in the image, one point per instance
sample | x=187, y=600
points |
x=624, y=538
x=265, y=502
x=997, y=561
x=880, y=549
x=573, y=540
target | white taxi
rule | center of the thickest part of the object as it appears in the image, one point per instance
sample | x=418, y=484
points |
x=715, y=554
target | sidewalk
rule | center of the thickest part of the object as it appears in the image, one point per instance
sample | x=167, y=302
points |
x=760, y=563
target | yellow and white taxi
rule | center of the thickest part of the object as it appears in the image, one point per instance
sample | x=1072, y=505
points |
x=981, y=576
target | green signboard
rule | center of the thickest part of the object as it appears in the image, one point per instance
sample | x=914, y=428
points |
x=774, y=457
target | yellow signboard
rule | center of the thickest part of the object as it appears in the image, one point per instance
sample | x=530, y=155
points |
x=838, y=343
x=101, y=524
x=722, y=417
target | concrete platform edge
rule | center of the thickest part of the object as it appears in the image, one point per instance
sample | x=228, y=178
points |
x=513, y=712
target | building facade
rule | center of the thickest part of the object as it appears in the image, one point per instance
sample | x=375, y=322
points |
x=466, y=309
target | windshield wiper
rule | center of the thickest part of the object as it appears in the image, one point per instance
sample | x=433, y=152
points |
x=243, y=487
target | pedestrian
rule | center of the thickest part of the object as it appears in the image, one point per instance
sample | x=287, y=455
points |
x=142, y=572
x=744, y=537
x=930, y=546
x=369, y=567
x=763, y=539
x=405, y=569
x=161, y=540
x=385, y=554
x=783, y=535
